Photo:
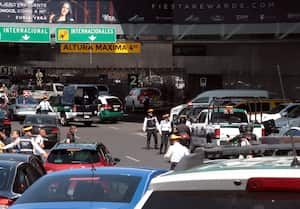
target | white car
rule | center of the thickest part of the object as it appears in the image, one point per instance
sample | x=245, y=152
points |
x=290, y=119
x=254, y=183
x=279, y=111
x=136, y=98
x=22, y=106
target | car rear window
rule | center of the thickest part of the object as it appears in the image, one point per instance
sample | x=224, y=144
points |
x=95, y=188
x=113, y=101
x=25, y=100
x=222, y=199
x=4, y=176
x=40, y=120
x=236, y=117
x=73, y=156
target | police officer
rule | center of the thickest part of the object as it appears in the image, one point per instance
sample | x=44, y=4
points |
x=246, y=136
x=27, y=144
x=165, y=130
x=44, y=106
x=151, y=126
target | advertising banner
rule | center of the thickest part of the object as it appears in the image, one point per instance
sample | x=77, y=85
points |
x=149, y=11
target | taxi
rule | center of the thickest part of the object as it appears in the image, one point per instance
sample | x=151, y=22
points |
x=254, y=183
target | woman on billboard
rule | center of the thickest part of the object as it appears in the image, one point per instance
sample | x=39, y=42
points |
x=65, y=16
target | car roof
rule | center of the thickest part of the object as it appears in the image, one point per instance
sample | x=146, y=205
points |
x=110, y=170
x=221, y=109
x=15, y=157
x=75, y=146
x=220, y=174
x=11, y=163
x=107, y=97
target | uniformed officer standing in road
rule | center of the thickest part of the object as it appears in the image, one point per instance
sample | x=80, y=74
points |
x=26, y=144
x=176, y=151
x=165, y=130
x=151, y=126
x=44, y=106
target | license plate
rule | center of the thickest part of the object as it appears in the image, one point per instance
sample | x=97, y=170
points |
x=86, y=116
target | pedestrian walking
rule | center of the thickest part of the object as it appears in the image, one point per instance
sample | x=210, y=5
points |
x=176, y=151
x=165, y=130
x=71, y=135
x=151, y=126
x=44, y=106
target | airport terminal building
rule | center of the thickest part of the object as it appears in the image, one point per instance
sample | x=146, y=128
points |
x=180, y=45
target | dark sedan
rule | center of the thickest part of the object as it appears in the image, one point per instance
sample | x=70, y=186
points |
x=47, y=122
x=15, y=178
x=36, y=162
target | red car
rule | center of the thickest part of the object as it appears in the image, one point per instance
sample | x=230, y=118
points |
x=68, y=156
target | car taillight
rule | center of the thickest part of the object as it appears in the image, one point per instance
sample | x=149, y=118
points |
x=74, y=108
x=54, y=130
x=273, y=185
x=107, y=107
x=4, y=203
x=6, y=121
x=263, y=132
x=217, y=133
x=190, y=104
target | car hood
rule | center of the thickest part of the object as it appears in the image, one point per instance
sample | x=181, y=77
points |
x=73, y=205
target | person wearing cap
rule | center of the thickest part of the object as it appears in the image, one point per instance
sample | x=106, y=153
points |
x=165, y=130
x=3, y=98
x=151, y=126
x=27, y=144
x=176, y=151
x=44, y=106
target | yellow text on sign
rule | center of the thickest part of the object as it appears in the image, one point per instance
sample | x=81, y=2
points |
x=116, y=48
x=63, y=35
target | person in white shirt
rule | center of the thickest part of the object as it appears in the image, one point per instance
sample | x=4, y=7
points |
x=3, y=98
x=165, y=130
x=44, y=106
x=176, y=151
x=41, y=138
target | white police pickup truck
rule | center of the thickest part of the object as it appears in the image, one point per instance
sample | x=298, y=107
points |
x=218, y=125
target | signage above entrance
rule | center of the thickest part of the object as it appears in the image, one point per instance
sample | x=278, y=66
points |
x=25, y=34
x=86, y=35
x=115, y=48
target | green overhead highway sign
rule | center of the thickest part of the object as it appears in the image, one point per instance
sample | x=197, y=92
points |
x=25, y=34
x=86, y=35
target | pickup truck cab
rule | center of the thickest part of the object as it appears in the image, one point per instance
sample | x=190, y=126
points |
x=219, y=125
x=49, y=89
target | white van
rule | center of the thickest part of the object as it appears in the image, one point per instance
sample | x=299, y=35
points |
x=205, y=98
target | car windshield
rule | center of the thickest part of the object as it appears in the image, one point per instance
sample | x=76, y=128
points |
x=222, y=199
x=73, y=156
x=4, y=177
x=277, y=109
x=26, y=101
x=95, y=188
x=35, y=119
x=294, y=113
x=235, y=117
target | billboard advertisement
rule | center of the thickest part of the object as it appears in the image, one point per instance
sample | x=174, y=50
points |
x=149, y=11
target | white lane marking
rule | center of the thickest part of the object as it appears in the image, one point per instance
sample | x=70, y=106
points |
x=140, y=134
x=115, y=128
x=132, y=158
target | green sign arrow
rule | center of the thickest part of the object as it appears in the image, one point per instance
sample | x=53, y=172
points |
x=25, y=34
x=86, y=35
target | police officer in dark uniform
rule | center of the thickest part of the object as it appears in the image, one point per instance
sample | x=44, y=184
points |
x=151, y=126
x=246, y=136
x=184, y=131
x=26, y=144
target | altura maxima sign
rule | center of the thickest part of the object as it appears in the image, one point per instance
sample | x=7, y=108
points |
x=25, y=34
